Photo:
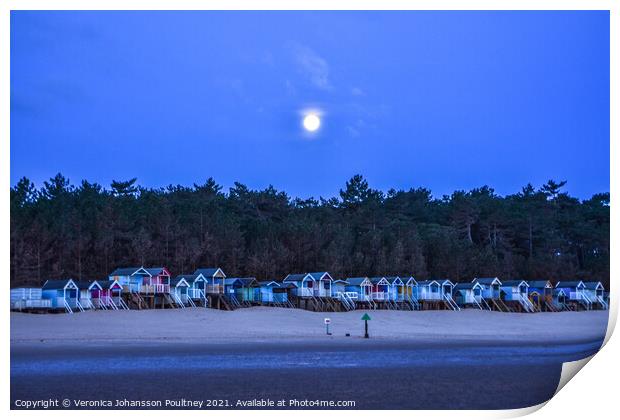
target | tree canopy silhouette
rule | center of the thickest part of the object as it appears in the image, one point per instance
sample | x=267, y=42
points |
x=85, y=231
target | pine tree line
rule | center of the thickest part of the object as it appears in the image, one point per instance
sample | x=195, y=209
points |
x=85, y=231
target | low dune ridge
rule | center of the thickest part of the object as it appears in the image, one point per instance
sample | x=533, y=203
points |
x=273, y=325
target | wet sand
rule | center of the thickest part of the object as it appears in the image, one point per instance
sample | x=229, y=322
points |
x=379, y=375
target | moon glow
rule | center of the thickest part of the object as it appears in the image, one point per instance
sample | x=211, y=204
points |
x=311, y=122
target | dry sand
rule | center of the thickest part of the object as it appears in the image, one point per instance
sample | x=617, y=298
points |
x=274, y=325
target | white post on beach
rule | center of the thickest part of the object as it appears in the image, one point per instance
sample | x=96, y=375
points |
x=327, y=322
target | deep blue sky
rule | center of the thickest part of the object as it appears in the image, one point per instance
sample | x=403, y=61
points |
x=445, y=100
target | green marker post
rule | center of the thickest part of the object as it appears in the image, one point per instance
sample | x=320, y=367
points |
x=366, y=318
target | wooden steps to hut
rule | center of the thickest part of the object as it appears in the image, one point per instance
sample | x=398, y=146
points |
x=499, y=305
x=219, y=301
x=167, y=299
x=136, y=301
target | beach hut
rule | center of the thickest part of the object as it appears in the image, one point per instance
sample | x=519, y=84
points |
x=283, y=294
x=447, y=288
x=411, y=285
x=29, y=299
x=490, y=287
x=429, y=291
x=358, y=289
x=323, y=284
x=338, y=287
x=396, y=290
x=240, y=290
x=470, y=294
x=515, y=294
x=158, y=281
x=266, y=291
x=339, y=292
x=275, y=293
x=560, y=301
x=317, y=284
x=409, y=291
x=179, y=291
x=110, y=296
x=491, y=293
x=87, y=290
x=540, y=293
x=63, y=295
x=196, y=291
x=131, y=279
x=380, y=288
x=595, y=291
x=247, y=290
x=575, y=294
x=215, y=278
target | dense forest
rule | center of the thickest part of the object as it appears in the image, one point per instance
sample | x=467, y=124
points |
x=85, y=231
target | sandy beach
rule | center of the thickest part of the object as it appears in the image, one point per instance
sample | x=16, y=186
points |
x=274, y=353
x=273, y=325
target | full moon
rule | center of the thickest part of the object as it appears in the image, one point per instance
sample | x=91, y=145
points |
x=312, y=122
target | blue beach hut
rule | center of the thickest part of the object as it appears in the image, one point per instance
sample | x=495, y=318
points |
x=540, y=293
x=560, y=300
x=131, y=278
x=338, y=287
x=595, y=291
x=575, y=294
x=490, y=287
x=266, y=290
x=316, y=284
x=515, y=293
x=470, y=294
x=429, y=291
x=396, y=290
x=358, y=288
x=276, y=293
x=63, y=294
x=214, y=278
x=179, y=291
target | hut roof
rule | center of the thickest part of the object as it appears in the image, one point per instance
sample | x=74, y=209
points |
x=178, y=279
x=356, y=281
x=571, y=283
x=539, y=284
x=592, y=285
x=320, y=274
x=466, y=286
x=155, y=271
x=427, y=282
x=487, y=281
x=295, y=277
x=105, y=284
x=57, y=284
x=243, y=281
x=209, y=272
x=86, y=284
x=188, y=277
x=513, y=283
x=268, y=282
x=125, y=271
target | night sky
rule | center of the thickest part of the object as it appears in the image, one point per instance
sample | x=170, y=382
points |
x=444, y=100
